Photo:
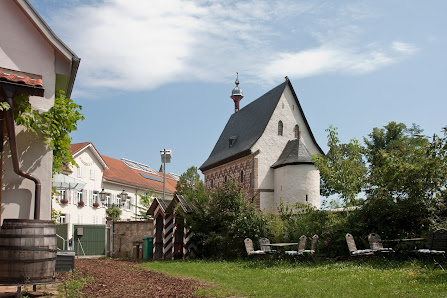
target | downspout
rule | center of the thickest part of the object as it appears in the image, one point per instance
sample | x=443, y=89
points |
x=9, y=92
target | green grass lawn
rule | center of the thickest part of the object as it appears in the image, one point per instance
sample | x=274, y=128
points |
x=315, y=279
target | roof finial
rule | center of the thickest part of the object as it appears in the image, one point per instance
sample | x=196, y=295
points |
x=287, y=78
x=236, y=94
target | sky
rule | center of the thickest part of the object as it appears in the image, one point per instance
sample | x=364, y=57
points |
x=159, y=74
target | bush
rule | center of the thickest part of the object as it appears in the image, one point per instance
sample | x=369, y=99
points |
x=223, y=220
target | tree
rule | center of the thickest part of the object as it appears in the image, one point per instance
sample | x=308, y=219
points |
x=143, y=205
x=190, y=185
x=342, y=169
x=113, y=212
x=55, y=125
x=404, y=178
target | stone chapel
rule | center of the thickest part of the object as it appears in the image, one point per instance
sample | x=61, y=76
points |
x=267, y=147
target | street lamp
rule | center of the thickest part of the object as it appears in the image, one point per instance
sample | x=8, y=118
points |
x=165, y=158
x=102, y=195
x=123, y=196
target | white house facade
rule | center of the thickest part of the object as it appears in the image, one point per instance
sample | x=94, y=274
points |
x=34, y=62
x=99, y=182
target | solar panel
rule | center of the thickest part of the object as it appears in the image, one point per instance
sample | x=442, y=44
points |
x=138, y=166
x=151, y=177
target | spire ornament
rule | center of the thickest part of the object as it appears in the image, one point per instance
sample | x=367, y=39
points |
x=236, y=94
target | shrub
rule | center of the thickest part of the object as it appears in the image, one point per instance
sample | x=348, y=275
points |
x=222, y=220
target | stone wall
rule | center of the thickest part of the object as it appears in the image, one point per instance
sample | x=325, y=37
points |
x=240, y=170
x=125, y=233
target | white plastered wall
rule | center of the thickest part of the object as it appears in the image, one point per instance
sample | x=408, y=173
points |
x=271, y=145
x=23, y=48
x=296, y=183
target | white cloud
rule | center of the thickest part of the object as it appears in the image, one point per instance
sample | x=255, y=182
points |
x=133, y=44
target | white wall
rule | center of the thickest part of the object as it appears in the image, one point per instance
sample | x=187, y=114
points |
x=23, y=48
x=294, y=182
x=271, y=145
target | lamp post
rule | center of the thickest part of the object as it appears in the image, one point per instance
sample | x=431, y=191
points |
x=165, y=158
x=123, y=196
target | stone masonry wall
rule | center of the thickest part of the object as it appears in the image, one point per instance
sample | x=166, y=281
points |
x=125, y=233
x=220, y=175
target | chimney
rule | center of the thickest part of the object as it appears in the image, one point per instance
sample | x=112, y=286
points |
x=236, y=94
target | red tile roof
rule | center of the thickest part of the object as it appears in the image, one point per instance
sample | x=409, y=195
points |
x=75, y=148
x=21, y=79
x=119, y=172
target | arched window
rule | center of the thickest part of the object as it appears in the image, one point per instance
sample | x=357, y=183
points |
x=280, y=128
x=297, y=131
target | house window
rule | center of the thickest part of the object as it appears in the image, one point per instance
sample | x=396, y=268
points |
x=212, y=183
x=226, y=179
x=242, y=177
x=307, y=198
x=108, y=200
x=92, y=174
x=63, y=218
x=95, y=197
x=80, y=172
x=79, y=196
x=118, y=201
x=62, y=194
x=128, y=203
x=280, y=128
x=297, y=131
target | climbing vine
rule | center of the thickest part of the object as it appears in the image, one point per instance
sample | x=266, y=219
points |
x=55, y=125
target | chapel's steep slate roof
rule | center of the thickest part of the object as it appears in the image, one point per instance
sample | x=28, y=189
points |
x=247, y=125
x=295, y=152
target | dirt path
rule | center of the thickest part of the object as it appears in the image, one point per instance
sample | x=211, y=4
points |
x=116, y=278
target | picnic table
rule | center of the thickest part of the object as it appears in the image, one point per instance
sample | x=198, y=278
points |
x=403, y=240
x=282, y=244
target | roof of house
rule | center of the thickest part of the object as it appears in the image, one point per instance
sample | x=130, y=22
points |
x=20, y=78
x=119, y=172
x=116, y=171
x=295, y=152
x=168, y=205
x=246, y=126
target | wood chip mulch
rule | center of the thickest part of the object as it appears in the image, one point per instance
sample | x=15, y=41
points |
x=118, y=278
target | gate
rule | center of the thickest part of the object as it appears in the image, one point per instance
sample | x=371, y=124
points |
x=62, y=232
x=89, y=240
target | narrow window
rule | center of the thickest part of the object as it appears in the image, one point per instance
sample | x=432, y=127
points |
x=242, y=176
x=280, y=128
x=297, y=131
x=226, y=179
x=80, y=172
x=212, y=183
x=79, y=196
x=307, y=198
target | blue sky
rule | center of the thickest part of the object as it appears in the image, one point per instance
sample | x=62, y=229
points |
x=159, y=74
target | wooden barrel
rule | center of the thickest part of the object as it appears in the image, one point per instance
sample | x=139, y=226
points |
x=28, y=250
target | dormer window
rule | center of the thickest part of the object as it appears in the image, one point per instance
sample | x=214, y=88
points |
x=231, y=141
x=280, y=128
